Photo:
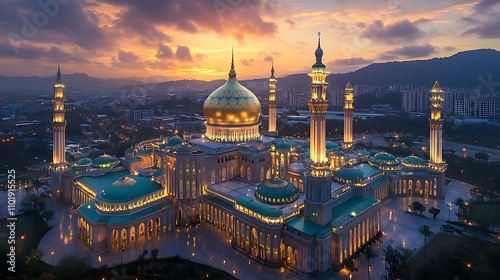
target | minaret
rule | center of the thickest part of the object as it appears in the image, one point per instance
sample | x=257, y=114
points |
x=436, y=125
x=272, y=101
x=318, y=202
x=348, y=109
x=58, y=124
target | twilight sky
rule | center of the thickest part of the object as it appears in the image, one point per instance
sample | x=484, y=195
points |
x=184, y=39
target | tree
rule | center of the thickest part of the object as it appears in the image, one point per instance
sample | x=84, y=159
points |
x=460, y=203
x=154, y=254
x=37, y=183
x=417, y=207
x=425, y=230
x=397, y=262
x=434, y=211
x=48, y=215
x=350, y=265
x=369, y=254
x=32, y=268
x=72, y=267
x=32, y=203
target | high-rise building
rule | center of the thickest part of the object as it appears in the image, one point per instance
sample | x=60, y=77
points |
x=415, y=100
x=272, y=101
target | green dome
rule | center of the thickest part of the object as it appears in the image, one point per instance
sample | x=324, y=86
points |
x=385, y=158
x=184, y=148
x=174, y=141
x=413, y=161
x=127, y=188
x=363, y=152
x=263, y=210
x=331, y=145
x=348, y=174
x=129, y=150
x=83, y=161
x=105, y=161
x=276, y=191
x=283, y=145
x=300, y=150
x=339, y=153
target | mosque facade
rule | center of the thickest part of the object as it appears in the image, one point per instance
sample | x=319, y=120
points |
x=305, y=204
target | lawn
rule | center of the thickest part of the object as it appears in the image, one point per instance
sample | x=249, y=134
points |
x=485, y=214
x=457, y=257
x=29, y=231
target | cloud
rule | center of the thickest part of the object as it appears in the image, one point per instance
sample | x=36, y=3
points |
x=449, y=48
x=350, y=61
x=127, y=57
x=233, y=18
x=164, y=51
x=291, y=23
x=68, y=23
x=183, y=53
x=268, y=58
x=485, y=5
x=247, y=62
x=200, y=56
x=401, y=31
x=411, y=51
x=32, y=52
x=488, y=29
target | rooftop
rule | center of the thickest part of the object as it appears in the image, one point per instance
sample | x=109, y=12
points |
x=354, y=205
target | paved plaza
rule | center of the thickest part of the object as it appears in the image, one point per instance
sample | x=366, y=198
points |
x=209, y=245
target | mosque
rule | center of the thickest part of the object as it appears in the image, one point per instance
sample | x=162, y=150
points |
x=307, y=205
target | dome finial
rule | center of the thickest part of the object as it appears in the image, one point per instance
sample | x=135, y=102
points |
x=319, y=39
x=319, y=54
x=58, y=79
x=232, y=72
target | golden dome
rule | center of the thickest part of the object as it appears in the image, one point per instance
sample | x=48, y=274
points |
x=232, y=104
x=349, y=86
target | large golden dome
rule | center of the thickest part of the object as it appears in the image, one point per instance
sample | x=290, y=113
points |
x=232, y=104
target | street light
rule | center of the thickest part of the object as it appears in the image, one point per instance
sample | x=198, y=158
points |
x=449, y=211
x=52, y=254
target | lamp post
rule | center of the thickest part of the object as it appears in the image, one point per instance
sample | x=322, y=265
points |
x=52, y=254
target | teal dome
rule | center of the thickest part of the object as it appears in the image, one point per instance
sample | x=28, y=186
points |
x=184, y=148
x=174, y=141
x=127, y=188
x=385, y=158
x=283, y=145
x=348, y=174
x=339, y=153
x=105, y=161
x=276, y=191
x=129, y=150
x=413, y=161
x=83, y=161
x=331, y=145
x=300, y=150
x=363, y=152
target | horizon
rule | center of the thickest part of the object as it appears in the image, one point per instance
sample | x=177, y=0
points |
x=179, y=41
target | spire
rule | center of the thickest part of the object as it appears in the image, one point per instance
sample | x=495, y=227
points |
x=58, y=80
x=349, y=86
x=232, y=72
x=436, y=87
x=319, y=54
x=272, y=70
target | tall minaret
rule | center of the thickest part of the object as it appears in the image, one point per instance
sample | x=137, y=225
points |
x=318, y=202
x=436, y=125
x=272, y=101
x=58, y=123
x=348, y=109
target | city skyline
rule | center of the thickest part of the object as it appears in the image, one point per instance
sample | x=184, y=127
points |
x=179, y=40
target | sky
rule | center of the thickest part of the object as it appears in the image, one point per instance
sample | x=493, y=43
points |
x=184, y=39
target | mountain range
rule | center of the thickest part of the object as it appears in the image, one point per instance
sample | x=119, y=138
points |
x=467, y=69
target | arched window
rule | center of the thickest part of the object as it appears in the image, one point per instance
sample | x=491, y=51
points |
x=212, y=177
x=249, y=174
x=262, y=173
x=224, y=174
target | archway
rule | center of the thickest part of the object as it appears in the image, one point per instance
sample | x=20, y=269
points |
x=114, y=240
x=150, y=229
x=124, y=238
x=141, y=233
x=132, y=235
x=157, y=226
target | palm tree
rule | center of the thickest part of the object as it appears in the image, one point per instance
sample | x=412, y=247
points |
x=459, y=202
x=37, y=183
x=425, y=230
x=369, y=254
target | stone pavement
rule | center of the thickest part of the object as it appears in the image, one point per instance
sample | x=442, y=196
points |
x=209, y=245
